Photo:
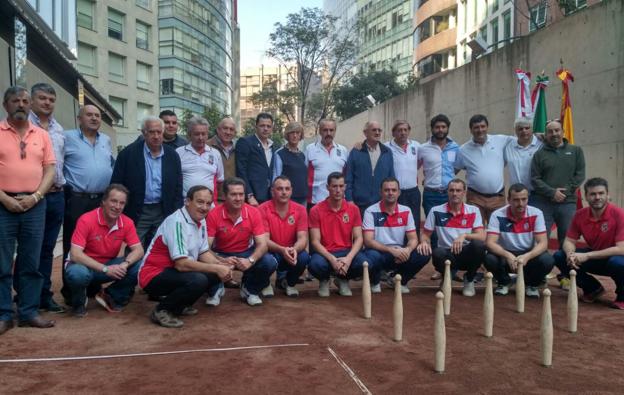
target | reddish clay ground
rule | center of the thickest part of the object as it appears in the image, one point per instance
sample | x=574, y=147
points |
x=589, y=361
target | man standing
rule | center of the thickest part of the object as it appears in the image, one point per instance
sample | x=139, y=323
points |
x=254, y=160
x=43, y=98
x=483, y=159
x=602, y=227
x=201, y=164
x=26, y=174
x=460, y=235
x=287, y=224
x=223, y=142
x=170, y=132
x=236, y=233
x=336, y=237
x=96, y=244
x=367, y=167
x=323, y=158
x=153, y=174
x=517, y=235
x=178, y=265
x=557, y=171
x=386, y=226
x=519, y=153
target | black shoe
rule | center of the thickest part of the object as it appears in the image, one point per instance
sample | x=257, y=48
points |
x=152, y=298
x=51, y=307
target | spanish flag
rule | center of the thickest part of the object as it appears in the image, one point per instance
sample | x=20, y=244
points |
x=566, y=105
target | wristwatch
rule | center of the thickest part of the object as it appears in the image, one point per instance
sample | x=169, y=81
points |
x=251, y=260
x=105, y=269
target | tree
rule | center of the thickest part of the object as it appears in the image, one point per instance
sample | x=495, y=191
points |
x=278, y=102
x=350, y=98
x=316, y=45
x=214, y=115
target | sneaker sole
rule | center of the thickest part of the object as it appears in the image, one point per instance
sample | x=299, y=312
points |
x=220, y=292
x=105, y=305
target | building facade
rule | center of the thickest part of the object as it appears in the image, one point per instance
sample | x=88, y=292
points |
x=435, y=36
x=532, y=15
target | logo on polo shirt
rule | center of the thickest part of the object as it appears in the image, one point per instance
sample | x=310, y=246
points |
x=211, y=160
x=400, y=221
x=97, y=238
x=526, y=226
x=291, y=220
x=604, y=227
x=223, y=229
x=464, y=222
x=338, y=152
x=345, y=218
x=413, y=150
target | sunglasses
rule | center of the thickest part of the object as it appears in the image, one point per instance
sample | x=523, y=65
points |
x=22, y=150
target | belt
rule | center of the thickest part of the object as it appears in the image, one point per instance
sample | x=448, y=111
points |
x=435, y=190
x=410, y=189
x=88, y=195
x=488, y=195
x=54, y=189
x=18, y=194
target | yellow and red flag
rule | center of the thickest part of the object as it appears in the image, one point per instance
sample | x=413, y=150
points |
x=566, y=105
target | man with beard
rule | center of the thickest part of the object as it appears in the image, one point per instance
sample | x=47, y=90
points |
x=602, y=227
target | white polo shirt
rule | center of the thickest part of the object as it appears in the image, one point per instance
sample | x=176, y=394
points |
x=205, y=169
x=321, y=163
x=484, y=164
x=405, y=162
x=518, y=160
x=448, y=227
x=389, y=228
x=516, y=235
x=438, y=164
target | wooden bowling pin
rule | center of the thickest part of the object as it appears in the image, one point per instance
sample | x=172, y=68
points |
x=572, y=304
x=446, y=287
x=520, y=289
x=546, y=330
x=397, y=310
x=366, y=292
x=439, y=334
x=488, y=306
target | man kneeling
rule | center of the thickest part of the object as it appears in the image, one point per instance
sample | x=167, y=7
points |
x=95, y=244
x=178, y=264
x=517, y=235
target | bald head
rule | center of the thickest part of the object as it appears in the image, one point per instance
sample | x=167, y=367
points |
x=89, y=119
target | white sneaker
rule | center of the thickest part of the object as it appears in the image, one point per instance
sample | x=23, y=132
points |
x=267, y=292
x=501, y=290
x=404, y=289
x=323, y=290
x=251, y=299
x=532, y=292
x=376, y=289
x=215, y=300
x=468, y=289
x=292, y=291
x=343, y=287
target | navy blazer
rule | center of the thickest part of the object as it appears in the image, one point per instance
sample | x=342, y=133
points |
x=130, y=171
x=251, y=166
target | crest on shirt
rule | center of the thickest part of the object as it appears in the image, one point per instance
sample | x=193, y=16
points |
x=345, y=218
x=526, y=226
x=413, y=150
x=211, y=160
x=98, y=238
x=400, y=221
x=604, y=226
x=464, y=222
x=338, y=152
x=291, y=219
x=223, y=229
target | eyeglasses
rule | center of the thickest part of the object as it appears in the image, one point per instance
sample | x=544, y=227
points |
x=22, y=150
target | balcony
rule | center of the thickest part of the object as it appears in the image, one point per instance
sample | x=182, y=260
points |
x=434, y=44
x=431, y=8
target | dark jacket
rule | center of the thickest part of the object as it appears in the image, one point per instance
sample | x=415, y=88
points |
x=251, y=166
x=130, y=171
x=562, y=167
x=363, y=185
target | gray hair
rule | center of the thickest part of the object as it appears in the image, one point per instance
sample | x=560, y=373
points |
x=151, y=118
x=523, y=121
x=293, y=127
x=42, y=87
x=13, y=91
x=194, y=121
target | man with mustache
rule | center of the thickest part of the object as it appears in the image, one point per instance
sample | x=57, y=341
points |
x=26, y=175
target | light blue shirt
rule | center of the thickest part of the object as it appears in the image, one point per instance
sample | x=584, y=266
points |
x=438, y=164
x=88, y=167
x=153, y=175
x=57, y=137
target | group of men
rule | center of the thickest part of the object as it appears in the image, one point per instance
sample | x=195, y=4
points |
x=179, y=217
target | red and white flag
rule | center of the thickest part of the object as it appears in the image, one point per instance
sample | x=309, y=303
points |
x=524, y=108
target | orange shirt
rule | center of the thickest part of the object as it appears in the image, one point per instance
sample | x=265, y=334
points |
x=23, y=175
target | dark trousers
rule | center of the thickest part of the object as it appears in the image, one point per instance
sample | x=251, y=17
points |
x=612, y=267
x=534, y=271
x=321, y=269
x=258, y=276
x=411, y=198
x=430, y=200
x=180, y=289
x=289, y=272
x=469, y=259
x=558, y=213
x=385, y=260
x=55, y=210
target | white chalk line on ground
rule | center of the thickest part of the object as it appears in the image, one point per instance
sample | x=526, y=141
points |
x=147, y=354
x=350, y=372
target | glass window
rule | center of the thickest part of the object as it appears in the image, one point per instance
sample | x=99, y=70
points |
x=116, y=67
x=495, y=33
x=483, y=33
x=142, y=35
x=115, y=24
x=507, y=25
x=144, y=3
x=87, y=59
x=143, y=110
x=84, y=9
x=538, y=16
x=144, y=75
x=120, y=106
x=494, y=6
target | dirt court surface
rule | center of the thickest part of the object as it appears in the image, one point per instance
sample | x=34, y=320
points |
x=307, y=328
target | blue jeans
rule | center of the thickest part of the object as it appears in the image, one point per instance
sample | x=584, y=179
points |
x=24, y=229
x=79, y=277
x=411, y=199
x=612, y=267
x=429, y=201
x=288, y=271
x=321, y=269
x=257, y=277
x=385, y=260
x=55, y=211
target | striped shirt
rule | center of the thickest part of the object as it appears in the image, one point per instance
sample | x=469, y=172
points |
x=389, y=228
x=321, y=163
x=516, y=235
x=448, y=227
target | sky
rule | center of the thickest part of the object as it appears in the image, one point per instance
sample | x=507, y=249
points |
x=256, y=19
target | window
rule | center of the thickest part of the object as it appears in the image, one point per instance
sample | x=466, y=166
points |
x=494, y=6
x=115, y=24
x=116, y=68
x=120, y=106
x=166, y=86
x=507, y=25
x=572, y=6
x=495, y=33
x=143, y=110
x=144, y=75
x=483, y=33
x=84, y=9
x=144, y=3
x=87, y=59
x=142, y=35
x=538, y=16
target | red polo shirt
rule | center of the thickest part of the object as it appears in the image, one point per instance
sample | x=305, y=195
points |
x=100, y=242
x=336, y=226
x=233, y=237
x=599, y=233
x=283, y=231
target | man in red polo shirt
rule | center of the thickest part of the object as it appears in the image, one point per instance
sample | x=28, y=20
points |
x=336, y=237
x=602, y=227
x=236, y=233
x=287, y=224
x=93, y=257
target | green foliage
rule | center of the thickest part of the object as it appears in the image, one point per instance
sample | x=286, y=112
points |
x=350, y=98
x=214, y=115
x=282, y=103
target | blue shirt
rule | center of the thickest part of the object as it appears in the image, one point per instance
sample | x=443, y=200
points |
x=57, y=137
x=438, y=164
x=88, y=167
x=153, y=175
